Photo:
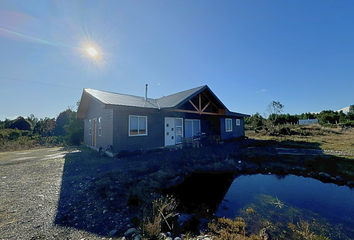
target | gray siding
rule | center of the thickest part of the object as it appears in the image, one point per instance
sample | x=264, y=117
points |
x=156, y=130
x=121, y=138
x=95, y=110
x=237, y=131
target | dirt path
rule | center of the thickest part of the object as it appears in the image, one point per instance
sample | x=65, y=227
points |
x=30, y=184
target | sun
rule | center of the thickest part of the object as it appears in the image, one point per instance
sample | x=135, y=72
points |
x=93, y=52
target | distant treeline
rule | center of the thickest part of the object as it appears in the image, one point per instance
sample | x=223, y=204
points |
x=31, y=132
x=324, y=117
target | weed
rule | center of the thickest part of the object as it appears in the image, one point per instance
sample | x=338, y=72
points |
x=161, y=213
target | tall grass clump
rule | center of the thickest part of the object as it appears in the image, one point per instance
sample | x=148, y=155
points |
x=157, y=217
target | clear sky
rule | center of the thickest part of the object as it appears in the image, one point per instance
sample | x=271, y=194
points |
x=249, y=53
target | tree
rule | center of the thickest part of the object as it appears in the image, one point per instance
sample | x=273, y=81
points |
x=351, y=112
x=74, y=130
x=21, y=124
x=62, y=120
x=273, y=110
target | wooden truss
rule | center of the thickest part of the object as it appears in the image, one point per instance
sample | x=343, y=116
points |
x=202, y=107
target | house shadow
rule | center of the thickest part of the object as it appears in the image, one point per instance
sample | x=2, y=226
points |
x=80, y=205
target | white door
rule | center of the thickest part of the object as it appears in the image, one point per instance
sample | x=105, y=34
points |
x=169, y=131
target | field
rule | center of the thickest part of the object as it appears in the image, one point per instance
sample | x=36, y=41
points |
x=335, y=140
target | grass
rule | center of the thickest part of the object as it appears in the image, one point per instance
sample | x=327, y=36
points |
x=326, y=138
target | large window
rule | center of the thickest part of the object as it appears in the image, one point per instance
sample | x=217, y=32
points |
x=228, y=124
x=137, y=125
x=192, y=127
x=100, y=126
x=90, y=126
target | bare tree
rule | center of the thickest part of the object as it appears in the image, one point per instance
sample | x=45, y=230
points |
x=274, y=109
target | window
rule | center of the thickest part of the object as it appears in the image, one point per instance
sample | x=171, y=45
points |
x=192, y=128
x=100, y=126
x=228, y=125
x=90, y=126
x=137, y=125
x=179, y=129
x=238, y=122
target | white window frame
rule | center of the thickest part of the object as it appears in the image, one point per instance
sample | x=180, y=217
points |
x=100, y=126
x=238, y=122
x=146, y=124
x=181, y=126
x=193, y=120
x=226, y=120
x=90, y=126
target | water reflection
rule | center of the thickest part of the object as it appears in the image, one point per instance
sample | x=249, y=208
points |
x=286, y=206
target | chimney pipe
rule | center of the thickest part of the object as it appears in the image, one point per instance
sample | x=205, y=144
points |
x=146, y=92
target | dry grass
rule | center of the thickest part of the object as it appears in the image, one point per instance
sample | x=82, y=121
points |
x=162, y=211
x=328, y=138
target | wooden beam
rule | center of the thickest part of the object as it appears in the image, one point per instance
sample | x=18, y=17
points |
x=206, y=106
x=181, y=110
x=194, y=106
x=200, y=103
x=189, y=111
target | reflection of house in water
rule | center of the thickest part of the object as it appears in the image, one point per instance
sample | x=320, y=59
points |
x=201, y=193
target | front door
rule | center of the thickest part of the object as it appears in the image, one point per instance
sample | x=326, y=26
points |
x=169, y=131
x=94, y=132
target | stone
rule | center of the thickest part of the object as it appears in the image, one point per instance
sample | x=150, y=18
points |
x=178, y=238
x=113, y=232
x=168, y=238
x=162, y=235
x=130, y=232
x=324, y=176
x=137, y=237
x=169, y=234
x=263, y=234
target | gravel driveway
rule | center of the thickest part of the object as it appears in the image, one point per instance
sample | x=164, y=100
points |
x=30, y=185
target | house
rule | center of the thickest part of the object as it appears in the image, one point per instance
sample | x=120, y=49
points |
x=131, y=123
x=307, y=121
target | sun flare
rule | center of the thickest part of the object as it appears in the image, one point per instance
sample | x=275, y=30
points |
x=91, y=51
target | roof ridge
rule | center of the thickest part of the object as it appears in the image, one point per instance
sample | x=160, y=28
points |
x=182, y=92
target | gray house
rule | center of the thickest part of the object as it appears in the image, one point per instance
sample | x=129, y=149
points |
x=132, y=123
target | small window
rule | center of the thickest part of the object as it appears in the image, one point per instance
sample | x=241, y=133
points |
x=90, y=126
x=100, y=126
x=228, y=125
x=137, y=125
x=238, y=122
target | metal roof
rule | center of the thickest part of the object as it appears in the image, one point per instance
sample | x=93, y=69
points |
x=171, y=101
x=119, y=99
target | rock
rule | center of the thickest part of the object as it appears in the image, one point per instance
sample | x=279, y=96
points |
x=324, y=176
x=137, y=237
x=340, y=179
x=263, y=234
x=178, y=238
x=113, y=232
x=162, y=235
x=169, y=234
x=168, y=238
x=351, y=184
x=130, y=232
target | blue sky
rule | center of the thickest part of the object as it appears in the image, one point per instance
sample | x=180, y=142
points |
x=249, y=53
